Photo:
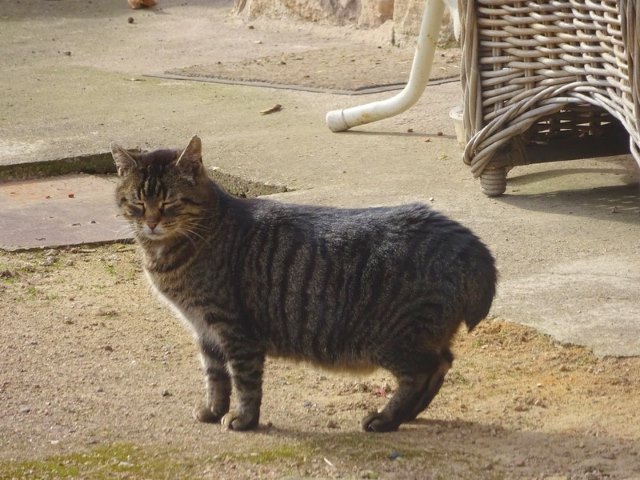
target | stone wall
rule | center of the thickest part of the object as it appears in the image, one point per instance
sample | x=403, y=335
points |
x=404, y=15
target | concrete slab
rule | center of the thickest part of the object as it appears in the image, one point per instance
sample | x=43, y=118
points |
x=591, y=301
x=53, y=212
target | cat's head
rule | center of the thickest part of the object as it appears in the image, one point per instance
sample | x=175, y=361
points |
x=162, y=193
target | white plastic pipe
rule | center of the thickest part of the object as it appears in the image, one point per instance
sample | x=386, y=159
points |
x=341, y=120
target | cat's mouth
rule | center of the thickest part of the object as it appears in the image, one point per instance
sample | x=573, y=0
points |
x=157, y=233
x=154, y=235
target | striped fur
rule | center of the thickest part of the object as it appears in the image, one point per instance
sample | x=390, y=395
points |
x=342, y=288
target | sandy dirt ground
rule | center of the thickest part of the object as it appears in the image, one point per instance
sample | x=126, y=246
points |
x=99, y=381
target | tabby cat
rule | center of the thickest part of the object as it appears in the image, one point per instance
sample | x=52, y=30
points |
x=341, y=288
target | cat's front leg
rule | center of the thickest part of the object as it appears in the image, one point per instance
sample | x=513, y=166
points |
x=246, y=369
x=218, y=385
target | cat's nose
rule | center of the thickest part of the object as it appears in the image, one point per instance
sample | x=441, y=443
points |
x=152, y=225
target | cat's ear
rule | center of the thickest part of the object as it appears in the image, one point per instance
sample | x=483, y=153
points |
x=125, y=163
x=190, y=160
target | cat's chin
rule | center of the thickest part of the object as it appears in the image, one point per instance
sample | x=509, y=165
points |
x=153, y=236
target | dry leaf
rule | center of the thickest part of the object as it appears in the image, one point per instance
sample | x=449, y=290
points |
x=135, y=4
x=276, y=108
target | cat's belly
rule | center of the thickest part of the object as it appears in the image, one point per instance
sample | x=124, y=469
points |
x=321, y=354
x=356, y=366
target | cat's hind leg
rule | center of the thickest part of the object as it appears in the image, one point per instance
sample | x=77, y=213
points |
x=420, y=376
x=246, y=370
x=218, y=385
x=433, y=385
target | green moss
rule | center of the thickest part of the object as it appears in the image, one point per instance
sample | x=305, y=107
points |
x=132, y=462
x=110, y=269
x=112, y=461
x=31, y=292
x=370, y=453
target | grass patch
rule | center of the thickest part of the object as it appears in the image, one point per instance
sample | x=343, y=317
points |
x=133, y=462
x=102, y=463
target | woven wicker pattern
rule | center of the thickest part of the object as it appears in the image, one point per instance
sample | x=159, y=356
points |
x=538, y=71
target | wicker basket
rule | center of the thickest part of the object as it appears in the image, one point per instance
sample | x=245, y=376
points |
x=540, y=75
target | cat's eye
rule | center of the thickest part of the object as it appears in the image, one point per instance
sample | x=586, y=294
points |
x=136, y=209
x=169, y=207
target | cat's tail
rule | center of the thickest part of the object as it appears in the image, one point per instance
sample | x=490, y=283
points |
x=481, y=280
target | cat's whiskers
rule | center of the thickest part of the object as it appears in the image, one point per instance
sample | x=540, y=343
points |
x=189, y=229
x=185, y=234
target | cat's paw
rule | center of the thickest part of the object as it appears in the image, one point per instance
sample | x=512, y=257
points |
x=379, y=422
x=204, y=414
x=239, y=421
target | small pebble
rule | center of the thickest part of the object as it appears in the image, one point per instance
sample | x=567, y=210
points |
x=395, y=455
x=166, y=393
x=130, y=20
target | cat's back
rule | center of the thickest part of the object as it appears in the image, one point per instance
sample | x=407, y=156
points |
x=401, y=224
x=410, y=240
